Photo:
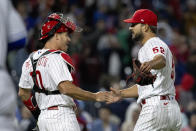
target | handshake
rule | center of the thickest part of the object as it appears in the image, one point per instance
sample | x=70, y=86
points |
x=108, y=96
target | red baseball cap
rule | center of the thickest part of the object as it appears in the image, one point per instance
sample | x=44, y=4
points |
x=143, y=16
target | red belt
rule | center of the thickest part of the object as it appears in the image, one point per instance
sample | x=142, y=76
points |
x=161, y=98
x=53, y=108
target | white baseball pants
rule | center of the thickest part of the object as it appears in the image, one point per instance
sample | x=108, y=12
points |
x=159, y=115
x=63, y=119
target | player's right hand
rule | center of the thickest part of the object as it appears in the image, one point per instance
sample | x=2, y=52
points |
x=101, y=96
x=114, y=96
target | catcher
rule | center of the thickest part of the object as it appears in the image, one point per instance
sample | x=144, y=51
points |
x=153, y=78
x=47, y=72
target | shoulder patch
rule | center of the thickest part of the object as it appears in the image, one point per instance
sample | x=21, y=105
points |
x=68, y=60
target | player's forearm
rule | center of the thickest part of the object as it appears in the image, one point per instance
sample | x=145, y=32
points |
x=24, y=94
x=129, y=92
x=86, y=96
x=70, y=89
x=80, y=94
x=158, y=62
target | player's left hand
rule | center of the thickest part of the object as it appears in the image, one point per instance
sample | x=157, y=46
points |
x=101, y=96
x=146, y=67
x=113, y=96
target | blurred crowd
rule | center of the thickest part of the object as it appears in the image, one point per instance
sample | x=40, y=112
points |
x=103, y=52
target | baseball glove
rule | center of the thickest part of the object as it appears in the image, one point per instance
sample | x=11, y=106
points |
x=139, y=77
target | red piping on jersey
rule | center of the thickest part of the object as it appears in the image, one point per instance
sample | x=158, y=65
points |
x=66, y=57
x=53, y=50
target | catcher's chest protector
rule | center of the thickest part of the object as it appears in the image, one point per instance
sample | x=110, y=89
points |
x=34, y=63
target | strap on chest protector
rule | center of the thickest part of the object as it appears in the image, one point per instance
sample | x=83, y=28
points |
x=36, y=87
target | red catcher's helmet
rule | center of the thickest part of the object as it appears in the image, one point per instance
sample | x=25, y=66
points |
x=56, y=23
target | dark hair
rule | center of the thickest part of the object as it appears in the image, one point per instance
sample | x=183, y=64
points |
x=153, y=29
x=43, y=41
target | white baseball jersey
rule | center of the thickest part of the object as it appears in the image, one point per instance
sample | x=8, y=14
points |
x=164, y=83
x=51, y=69
x=157, y=114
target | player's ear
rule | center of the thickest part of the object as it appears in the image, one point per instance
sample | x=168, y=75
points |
x=56, y=35
x=145, y=27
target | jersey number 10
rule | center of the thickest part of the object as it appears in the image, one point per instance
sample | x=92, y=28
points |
x=38, y=79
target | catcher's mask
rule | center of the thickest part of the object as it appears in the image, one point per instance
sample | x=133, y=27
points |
x=57, y=23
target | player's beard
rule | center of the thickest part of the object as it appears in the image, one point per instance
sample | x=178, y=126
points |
x=137, y=37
